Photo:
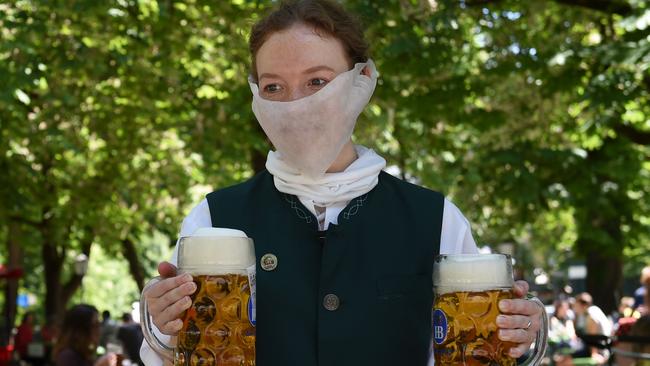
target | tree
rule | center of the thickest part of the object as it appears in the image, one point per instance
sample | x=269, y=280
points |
x=115, y=117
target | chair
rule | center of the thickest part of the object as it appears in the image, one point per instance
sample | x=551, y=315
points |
x=643, y=341
x=609, y=343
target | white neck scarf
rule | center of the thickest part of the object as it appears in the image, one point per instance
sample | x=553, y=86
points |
x=331, y=188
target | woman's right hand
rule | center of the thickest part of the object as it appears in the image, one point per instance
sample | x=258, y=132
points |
x=168, y=298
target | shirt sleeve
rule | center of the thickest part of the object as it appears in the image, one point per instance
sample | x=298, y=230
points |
x=197, y=218
x=455, y=238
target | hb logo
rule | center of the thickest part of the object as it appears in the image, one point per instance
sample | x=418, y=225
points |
x=439, y=326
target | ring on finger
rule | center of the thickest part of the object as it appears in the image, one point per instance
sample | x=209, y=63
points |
x=530, y=322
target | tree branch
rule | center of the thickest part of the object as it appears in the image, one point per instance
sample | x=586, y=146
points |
x=71, y=286
x=481, y=2
x=634, y=135
x=24, y=220
x=620, y=7
x=135, y=267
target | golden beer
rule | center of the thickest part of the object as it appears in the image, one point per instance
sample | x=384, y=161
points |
x=467, y=289
x=217, y=328
x=471, y=333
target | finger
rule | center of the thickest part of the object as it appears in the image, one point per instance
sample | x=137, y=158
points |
x=166, y=285
x=519, y=350
x=514, y=321
x=521, y=288
x=174, y=311
x=166, y=321
x=166, y=269
x=171, y=328
x=170, y=317
x=519, y=306
x=161, y=303
x=515, y=335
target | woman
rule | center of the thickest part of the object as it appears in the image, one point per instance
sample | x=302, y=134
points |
x=591, y=320
x=354, y=247
x=561, y=334
x=78, y=339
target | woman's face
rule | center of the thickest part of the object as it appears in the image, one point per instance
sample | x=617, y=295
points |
x=297, y=62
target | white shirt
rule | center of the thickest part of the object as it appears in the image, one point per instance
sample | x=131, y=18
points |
x=602, y=321
x=456, y=237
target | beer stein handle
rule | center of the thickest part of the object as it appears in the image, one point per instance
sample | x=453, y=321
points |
x=147, y=327
x=541, y=342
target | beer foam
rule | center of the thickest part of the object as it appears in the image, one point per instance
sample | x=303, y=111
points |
x=472, y=272
x=219, y=231
x=216, y=251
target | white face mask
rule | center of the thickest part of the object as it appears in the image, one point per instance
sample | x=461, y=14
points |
x=309, y=133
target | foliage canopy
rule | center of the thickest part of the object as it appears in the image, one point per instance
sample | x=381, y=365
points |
x=533, y=116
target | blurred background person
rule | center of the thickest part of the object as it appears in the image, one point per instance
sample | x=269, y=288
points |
x=48, y=335
x=24, y=335
x=626, y=309
x=641, y=294
x=108, y=330
x=130, y=334
x=641, y=328
x=591, y=320
x=562, y=335
x=626, y=316
x=78, y=339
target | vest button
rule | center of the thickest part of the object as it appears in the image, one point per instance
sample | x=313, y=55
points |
x=331, y=302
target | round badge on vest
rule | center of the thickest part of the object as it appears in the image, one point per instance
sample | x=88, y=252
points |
x=331, y=302
x=269, y=262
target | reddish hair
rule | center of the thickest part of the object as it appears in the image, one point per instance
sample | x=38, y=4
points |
x=324, y=15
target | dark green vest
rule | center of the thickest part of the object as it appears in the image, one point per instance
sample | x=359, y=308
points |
x=377, y=262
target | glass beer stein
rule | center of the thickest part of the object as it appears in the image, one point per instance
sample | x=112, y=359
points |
x=219, y=327
x=467, y=289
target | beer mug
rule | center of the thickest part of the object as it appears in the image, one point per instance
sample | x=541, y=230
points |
x=219, y=327
x=467, y=289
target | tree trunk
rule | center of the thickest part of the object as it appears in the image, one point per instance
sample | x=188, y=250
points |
x=135, y=267
x=599, y=218
x=58, y=293
x=604, y=279
x=604, y=263
x=75, y=280
x=14, y=260
x=52, y=263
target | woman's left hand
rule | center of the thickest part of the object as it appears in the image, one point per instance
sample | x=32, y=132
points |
x=520, y=320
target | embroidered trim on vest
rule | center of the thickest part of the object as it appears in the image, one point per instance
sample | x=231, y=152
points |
x=299, y=211
x=354, y=209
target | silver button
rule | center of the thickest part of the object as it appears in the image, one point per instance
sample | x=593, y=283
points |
x=269, y=262
x=331, y=302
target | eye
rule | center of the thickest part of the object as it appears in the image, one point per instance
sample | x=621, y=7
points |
x=318, y=82
x=271, y=88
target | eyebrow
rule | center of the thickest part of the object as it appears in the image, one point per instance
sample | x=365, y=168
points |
x=317, y=68
x=308, y=71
